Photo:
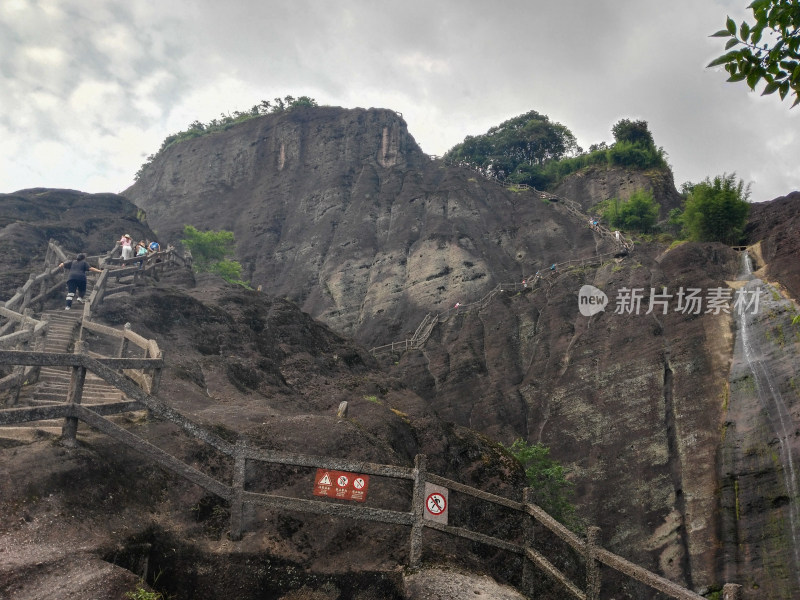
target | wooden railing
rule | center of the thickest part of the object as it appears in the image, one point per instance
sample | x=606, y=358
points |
x=29, y=335
x=44, y=281
x=535, y=281
x=130, y=273
x=147, y=378
x=23, y=332
x=237, y=494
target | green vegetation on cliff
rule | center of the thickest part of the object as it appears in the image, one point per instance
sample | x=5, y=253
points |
x=526, y=141
x=547, y=480
x=197, y=129
x=638, y=213
x=715, y=210
x=533, y=150
x=209, y=251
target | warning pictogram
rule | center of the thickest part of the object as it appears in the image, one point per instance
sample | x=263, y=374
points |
x=347, y=486
x=436, y=503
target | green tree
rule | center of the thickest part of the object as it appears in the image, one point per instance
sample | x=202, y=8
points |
x=529, y=139
x=716, y=210
x=302, y=101
x=675, y=221
x=209, y=253
x=767, y=49
x=638, y=213
x=229, y=270
x=547, y=479
x=635, y=132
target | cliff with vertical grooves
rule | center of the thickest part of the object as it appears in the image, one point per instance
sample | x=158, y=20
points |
x=341, y=212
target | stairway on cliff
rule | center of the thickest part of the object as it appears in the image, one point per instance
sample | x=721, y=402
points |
x=53, y=384
x=52, y=387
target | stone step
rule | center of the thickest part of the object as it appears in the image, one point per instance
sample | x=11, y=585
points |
x=65, y=373
x=63, y=386
x=58, y=347
x=51, y=373
x=89, y=398
x=57, y=388
x=59, y=333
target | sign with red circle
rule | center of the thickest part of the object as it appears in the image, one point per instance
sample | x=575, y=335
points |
x=341, y=484
x=436, y=503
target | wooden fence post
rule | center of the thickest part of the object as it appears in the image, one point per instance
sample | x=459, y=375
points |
x=70, y=428
x=237, y=503
x=37, y=345
x=29, y=291
x=47, y=266
x=528, y=572
x=123, y=346
x=418, y=509
x=155, y=381
x=592, y=564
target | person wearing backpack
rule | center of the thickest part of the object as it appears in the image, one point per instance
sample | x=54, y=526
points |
x=141, y=252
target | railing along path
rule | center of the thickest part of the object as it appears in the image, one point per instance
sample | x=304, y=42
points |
x=430, y=320
x=533, y=282
x=23, y=332
x=117, y=372
x=237, y=494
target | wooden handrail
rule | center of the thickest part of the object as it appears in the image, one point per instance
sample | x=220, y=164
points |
x=240, y=496
x=107, y=369
x=532, y=282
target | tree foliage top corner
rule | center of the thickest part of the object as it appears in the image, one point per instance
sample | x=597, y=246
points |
x=765, y=50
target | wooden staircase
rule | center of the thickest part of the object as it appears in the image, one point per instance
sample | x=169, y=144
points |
x=53, y=384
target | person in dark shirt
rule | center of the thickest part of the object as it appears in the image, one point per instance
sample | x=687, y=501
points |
x=76, y=282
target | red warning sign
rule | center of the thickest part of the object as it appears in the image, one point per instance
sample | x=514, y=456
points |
x=341, y=484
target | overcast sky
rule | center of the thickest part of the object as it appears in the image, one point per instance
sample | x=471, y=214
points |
x=90, y=88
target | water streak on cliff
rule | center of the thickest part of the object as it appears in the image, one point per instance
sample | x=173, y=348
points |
x=754, y=342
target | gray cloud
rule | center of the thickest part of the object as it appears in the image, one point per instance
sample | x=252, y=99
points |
x=86, y=92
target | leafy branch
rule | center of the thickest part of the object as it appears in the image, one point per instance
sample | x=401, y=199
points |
x=768, y=49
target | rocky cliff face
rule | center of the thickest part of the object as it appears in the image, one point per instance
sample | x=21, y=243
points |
x=339, y=211
x=632, y=401
x=776, y=225
x=84, y=520
x=595, y=184
x=79, y=222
